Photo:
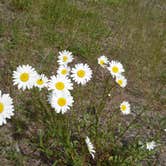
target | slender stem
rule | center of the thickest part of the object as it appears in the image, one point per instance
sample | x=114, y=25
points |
x=101, y=107
x=128, y=127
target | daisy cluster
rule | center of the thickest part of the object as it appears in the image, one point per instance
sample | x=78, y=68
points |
x=59, y=85
x=116, y=70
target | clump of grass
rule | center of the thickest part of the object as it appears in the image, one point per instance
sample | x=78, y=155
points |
x=22, y=4
x=67, y=26
x=110, y=2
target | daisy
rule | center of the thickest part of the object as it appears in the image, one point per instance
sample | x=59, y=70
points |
x=65, y=57
x=125, y=107
x=63, y=70
x=59, y=84
x=150, y=145
x=90, y=146
x=6, y=108
x=81, y=74
x=61, y=102
x=115, y=68
x=24, y=77
x=41, y=81
x=103, y=61
x=121, y=80
x=50, y=95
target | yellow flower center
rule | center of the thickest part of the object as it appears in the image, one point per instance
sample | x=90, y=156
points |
x=81, y=73
x=62, y=102
x=123, y=107
x=40, y=82
x=120, y=82
x=64, y=71
x=24, y=77
x=1, y=107
x=65, y=58
x=102, y=62
x=115, y=69
x=60, y=85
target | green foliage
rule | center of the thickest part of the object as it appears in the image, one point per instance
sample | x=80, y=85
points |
x=110, y=2
x=21, y=4
x=66, y=26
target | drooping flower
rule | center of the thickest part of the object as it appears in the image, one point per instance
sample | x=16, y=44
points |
x=90, y=146
x=65, y=57
x=41, y=81
x=81, y=73
x=103, y=61
x=61, y=101
x=24, y=77
x=6, y=108
x=115, y=68
x=60, y=84
x=150, y=145
x=125, y=107
x=63, y=70
x=121, y=80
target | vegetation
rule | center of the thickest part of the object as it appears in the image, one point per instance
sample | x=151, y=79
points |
x=131, y=31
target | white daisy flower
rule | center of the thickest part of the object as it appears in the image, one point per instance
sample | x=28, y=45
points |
x=115, y=68
x=63, y=70
x=121, y=80
x=41, y=81
x=125, y=107
x=6, y=108
x=50, y=95
x=61, y=102
x=103, y=61
x=81, y=73
x=59, y=84
x=90, y=146
x=150, y=145
x=65, y=57
x=24, y=77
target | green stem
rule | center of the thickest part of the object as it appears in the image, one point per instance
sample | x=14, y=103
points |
x=101, y=107
x=128, y=127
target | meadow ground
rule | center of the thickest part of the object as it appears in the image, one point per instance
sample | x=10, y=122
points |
x=131, y=31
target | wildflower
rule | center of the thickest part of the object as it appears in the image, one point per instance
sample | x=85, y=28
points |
x=59, y=84
x=65, y=57
x=6, y=108
x=63, y=70
x=41, y=81
x=24, y=77
x=150, y=145
x=81, y=74
x=115, y=68
x=121, y=80
x=90, y=146
x=125, y=107
x=103, y=61
x=61, y=101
